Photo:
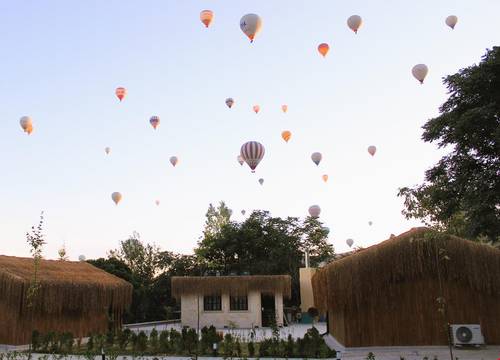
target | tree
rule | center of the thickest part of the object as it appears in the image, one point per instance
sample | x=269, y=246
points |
x=62, y=253
x=216, y=219
x=265, y=245
x=461, y=193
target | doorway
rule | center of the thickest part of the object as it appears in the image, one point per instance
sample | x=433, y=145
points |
x=268, y=310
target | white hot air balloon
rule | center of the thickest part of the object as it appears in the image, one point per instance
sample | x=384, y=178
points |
x=116, y=197
x=451, y=21
x=251, y=25
x=349, y=242
x=314, y=210
x=419, y=72
x=354, y=22
x=174, y=160
x=27, y=124
x=107, y=150
x=316, y=157
x=81, y=258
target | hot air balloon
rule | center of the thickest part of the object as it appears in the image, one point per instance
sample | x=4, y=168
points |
x=323, y=49
x=81, y=258
x=157, y=202
x=243, y=212
x=251, y=25
x=419, y=72
x=27, y=124
x=240, y=159
x=174, y=160
x=256, y=108
x=206, y=17
x=229, y=102
x=284, y=108
x=154, y=121
x=325, y=177
x=116, y=197
x=354, y=22
x=349, y=242
x=252, y=152
x=314, y=211
x=120, y=92
x=316, y=157
x=261, y=181
x=107, y=150
x=451, y=21
x=327, y=229
x=370, y=223
x=286, y=135
x=372, y=150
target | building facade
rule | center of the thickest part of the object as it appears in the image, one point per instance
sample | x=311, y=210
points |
x=231, y=301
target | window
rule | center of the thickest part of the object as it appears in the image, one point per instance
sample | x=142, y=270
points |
x=212, y=303
x=238, y=303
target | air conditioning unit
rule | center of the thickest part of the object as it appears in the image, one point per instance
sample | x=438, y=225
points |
x=469, y=334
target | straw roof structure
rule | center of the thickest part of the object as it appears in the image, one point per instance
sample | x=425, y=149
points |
x=386, y=294
x=73, y=296
x=208, y=285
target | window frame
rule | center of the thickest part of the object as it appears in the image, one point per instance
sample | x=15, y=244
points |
x=238, y=301
x=210, y=302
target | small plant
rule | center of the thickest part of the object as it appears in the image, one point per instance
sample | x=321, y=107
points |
x=142, y=342
x=124, y=338
x=370, y=356
x=251, y=349
x=153, y=340
x=110, y=338
x=163, y=342
x=90, y=342
x=36, y=340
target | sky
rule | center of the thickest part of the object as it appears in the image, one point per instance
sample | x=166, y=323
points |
x=62, y=60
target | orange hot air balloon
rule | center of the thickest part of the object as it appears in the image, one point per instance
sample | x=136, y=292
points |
x=284, y=108
x=286, y=135
x=120, y=93
x=325, y=178
x=323, y=49
x=206, y=17
x=29, y=129
x=256, y=108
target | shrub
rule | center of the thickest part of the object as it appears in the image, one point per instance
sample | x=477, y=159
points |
x=123, y=338
x=142, y=342
x=228, y=344
x=209, y=336
x=163, y=342
x=189, y=340
x=90, y=342
x=290, y=346
x=66, y=341
x=175, y=341
x=110, y=338
x=133, y=340
x=36, y=340
x=370, y=356
x=153, y=340
x=251, y=349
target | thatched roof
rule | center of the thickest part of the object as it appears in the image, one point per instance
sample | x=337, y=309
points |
x=233, y=284
x=409, y=257
x=65, y=287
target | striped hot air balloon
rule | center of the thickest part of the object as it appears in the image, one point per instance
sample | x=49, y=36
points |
x=252, y=152
x=120, y=93
x=154, y=121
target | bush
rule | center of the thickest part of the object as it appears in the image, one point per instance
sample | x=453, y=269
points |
x=153, y=340
x=36, y=340
x=142, y=342
x=251, y=349
x=133, y=340
x=176, y=341
x=209, y=336
x=228, y=345
x=90, y=342
x=123, y=338
x=66, y=341
x=163, y=342
x=189, y=340
x=110, y=338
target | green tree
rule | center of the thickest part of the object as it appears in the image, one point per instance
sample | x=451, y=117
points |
x=217, y=217
x=461, y=193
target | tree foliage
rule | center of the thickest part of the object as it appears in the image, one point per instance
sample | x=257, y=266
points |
x=461, y=193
